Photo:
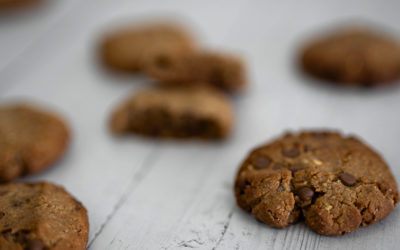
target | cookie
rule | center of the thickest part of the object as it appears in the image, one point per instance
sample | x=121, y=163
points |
x=10, y=4
x=175, y=112
x=30, y=140
x=220, y=70
x=41, y=216
x=354, y=57
x=129, y=48
x=334, y=183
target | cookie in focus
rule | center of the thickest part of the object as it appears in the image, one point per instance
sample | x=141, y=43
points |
x=334, y=183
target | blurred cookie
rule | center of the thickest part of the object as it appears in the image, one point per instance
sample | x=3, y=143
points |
x=354, y=57
x=127, y=49
x=41, y=216
x=220, y=70
x=30, y=140
x=8, y=4
x=175, y=112
x=335, y=183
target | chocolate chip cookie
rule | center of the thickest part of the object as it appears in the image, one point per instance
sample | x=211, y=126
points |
x=30, y=140
x=220, y=70
x=334, y=183
x=354, y=57
x=129, y=48
x=175, y=112
x=41, y=216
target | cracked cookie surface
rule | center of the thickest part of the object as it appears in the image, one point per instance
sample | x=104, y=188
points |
x=198, y=112
x=30, y=140
x=334, y=183
x=41, y=216
x=354, y=57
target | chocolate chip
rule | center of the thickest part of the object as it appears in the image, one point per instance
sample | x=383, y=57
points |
x=307, y=148
x=241, y=184
x=305, y=193
x=296, y=168
x=2, y=214
x=347, y=179
x=17, y=203
x=7, y=234
x=21, y=236
x=277, y=166
x=261, y=162
x=35, y=244
x=293, y=152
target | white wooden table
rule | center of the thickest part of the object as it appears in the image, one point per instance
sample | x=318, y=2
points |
x=150, y=194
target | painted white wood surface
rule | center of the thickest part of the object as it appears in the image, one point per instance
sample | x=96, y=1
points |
x=149, y=194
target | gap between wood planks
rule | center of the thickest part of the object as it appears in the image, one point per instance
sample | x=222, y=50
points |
x=226, y=226
x=145, y=167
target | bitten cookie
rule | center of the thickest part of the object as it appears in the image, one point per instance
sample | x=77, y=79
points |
x=30, y=140
x=354, y=57
x=220, y=70
x=175, y=112
x=41, y=216
x=129, y=48
x=335, y=183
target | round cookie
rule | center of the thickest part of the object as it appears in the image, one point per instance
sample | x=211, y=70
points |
x=219, y=70
x=41, y=216
x=128, y=49
x=334, y=183
x=354, y=57
x=30, y=140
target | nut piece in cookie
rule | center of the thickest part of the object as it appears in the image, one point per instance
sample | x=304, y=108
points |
x=356, y=57
x=129, y=48
x=335, y=183
x=41, y=216
x=30, y=140
x=220, y=70
x=175, y=112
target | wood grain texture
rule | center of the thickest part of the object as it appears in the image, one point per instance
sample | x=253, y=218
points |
x=149, y=194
